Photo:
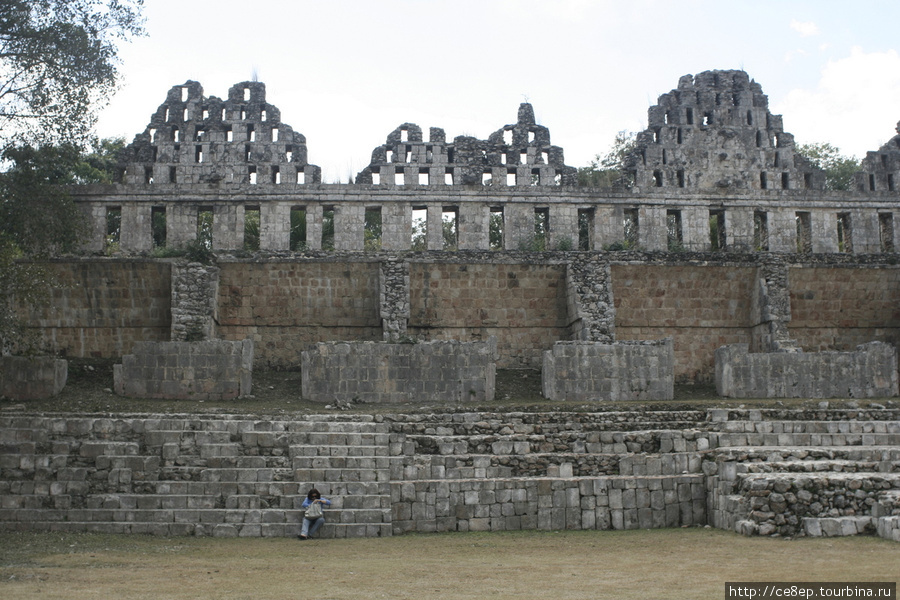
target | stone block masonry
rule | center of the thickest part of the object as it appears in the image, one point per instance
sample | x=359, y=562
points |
x=614, y=371
x=212, y=369
x=32, y=378
x=868, y=372
x=438, y=372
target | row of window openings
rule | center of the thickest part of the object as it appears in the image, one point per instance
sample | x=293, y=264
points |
x=539, y=241
x=200, y=135
x=890, y=181
x=507, y=136
x=274, y=174
x=679, y=136
x=658, y=179
x=425, y=177
x=185, y=114
x=429, y=156
x=707, y=116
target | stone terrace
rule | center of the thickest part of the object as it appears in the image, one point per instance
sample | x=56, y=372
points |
x=790, y=472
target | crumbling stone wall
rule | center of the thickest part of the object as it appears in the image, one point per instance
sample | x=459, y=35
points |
x=194, y=291
x=195, y=139
x=516, y=155
x=32, y=377
x=715, y=132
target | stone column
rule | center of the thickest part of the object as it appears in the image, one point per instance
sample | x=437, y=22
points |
x=590, y=299
x=394, y=298
x=194, y=290
x=771, y=309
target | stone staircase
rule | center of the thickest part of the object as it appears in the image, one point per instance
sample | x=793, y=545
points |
x=192, y=475
x=828, y=473
x=758, y=472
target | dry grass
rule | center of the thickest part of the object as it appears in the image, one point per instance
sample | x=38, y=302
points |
x=672, y=564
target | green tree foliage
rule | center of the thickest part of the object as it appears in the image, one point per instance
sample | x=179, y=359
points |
x=58, y=65
x=608, y=170
x=839, y=169
x=37, y=219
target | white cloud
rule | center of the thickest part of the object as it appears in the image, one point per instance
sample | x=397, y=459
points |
x=854, y=106
x=804, y=28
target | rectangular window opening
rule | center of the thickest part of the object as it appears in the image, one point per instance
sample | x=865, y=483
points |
x=760, y=231
x=113, y=228
x=871, y=182
x=205, y=226
x=376, y=178
x=274, y=134
x=658, y=178
x=890, y=182
x=418, y=241
x=785, y=181
x=229, y=134
x=689, y=114
x=251, y=133
x=886, y=231
x=148, y=175
x=495, y=228
x=298, y=228
x=487, y=178
x=680, y=175
x=541, y=229
x=328, y=228
x=585, y=229
x=510, y=177
x=844, y=233
x=807, y=180
x=674, y=234
x=251, y=172
x=631, y=228
x=448, y=176
x=450, y=227
x=198, y=154
x=173, y=175
x=251, y=228
x=763, y=181
x=276, y=175
x=200, y=135
x=535, y=177
x=398, y=176
x=804, y=232
x=717, y=240
x=158, y=226
x=424, y=178
x=301, y=176
x=372, y=229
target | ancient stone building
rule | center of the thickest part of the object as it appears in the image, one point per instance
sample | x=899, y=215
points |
x=719, y=234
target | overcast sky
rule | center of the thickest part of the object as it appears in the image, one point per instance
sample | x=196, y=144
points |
x=346, y=73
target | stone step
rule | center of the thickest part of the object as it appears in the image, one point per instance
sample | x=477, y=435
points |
x=806, y=439
x=242, y=524
x=810, y=427
x=319, y=438
x=805, y=452
x=342, y=475
x=507, y=428
x=341, y=462
x=360, y=450
x=660, y=441
x=471, y=466
x=823, y=466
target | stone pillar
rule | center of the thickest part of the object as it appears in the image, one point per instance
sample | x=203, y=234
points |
x=590, y=299
x=274, y=226
x=194, y=290
x=394, y=298
x=434, y=230
x=396, y=226
x=349, y=227
x=473, y=226
x=771, y=309
x=314, y=226
x=135, y=229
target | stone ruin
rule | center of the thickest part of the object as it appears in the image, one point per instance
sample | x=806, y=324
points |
x=718, y=257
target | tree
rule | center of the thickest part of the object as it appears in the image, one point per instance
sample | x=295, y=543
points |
x=57, y=68
x=839, y=169
x=58, y=65
x=608, y=170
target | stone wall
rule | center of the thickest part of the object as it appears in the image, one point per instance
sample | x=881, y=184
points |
x=32, y=378
x=868, y=372
x=101, y=307
x=523, y=305
x=701, y=307
x=207, y=370
x=611, y=371
x=839, y=307
x=440, y=372
x=286, y=307
x=549, y=504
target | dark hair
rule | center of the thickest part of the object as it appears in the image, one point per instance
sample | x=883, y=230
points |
x=313, y=493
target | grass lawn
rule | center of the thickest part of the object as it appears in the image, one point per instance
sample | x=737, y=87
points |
x=667, y=563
